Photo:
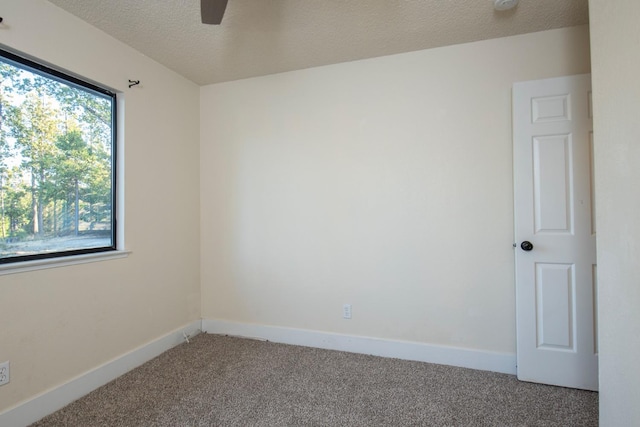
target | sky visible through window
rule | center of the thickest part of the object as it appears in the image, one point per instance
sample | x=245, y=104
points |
x=56, y=173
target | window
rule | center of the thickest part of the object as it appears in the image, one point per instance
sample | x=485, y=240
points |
x=57, y=163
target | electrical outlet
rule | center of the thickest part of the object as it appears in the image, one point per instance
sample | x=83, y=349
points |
x=4, y=373
x=346, y=311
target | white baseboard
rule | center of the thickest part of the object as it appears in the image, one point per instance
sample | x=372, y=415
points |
x=407, y=350
x=50, y=401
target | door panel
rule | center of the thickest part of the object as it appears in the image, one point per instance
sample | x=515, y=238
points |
x=552, y=183
x=556, y=286
x=554, y=303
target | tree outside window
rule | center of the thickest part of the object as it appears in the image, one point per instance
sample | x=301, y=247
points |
x=57, y=168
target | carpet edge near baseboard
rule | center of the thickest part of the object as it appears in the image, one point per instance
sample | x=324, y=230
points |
x=407, y=350
x=49, y=401
x=46, y=403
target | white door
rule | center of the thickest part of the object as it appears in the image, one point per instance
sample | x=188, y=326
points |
x=555, y=249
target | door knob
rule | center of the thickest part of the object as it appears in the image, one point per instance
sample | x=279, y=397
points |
x=526, y=246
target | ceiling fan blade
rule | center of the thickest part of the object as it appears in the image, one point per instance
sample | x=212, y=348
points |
x=212, y=11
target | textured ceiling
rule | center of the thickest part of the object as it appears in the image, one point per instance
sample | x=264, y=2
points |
x=259, y=37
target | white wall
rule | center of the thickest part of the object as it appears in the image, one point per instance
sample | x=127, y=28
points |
x=384, y=183
x=59, y=323
x=615, y=42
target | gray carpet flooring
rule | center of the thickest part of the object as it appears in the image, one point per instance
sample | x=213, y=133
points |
x=225, y=381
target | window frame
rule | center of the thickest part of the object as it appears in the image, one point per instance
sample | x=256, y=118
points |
x=38, y=67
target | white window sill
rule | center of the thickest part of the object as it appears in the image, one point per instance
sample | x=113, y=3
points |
x=41, y=264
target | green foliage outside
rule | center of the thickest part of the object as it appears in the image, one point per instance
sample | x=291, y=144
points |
x=55, y=161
